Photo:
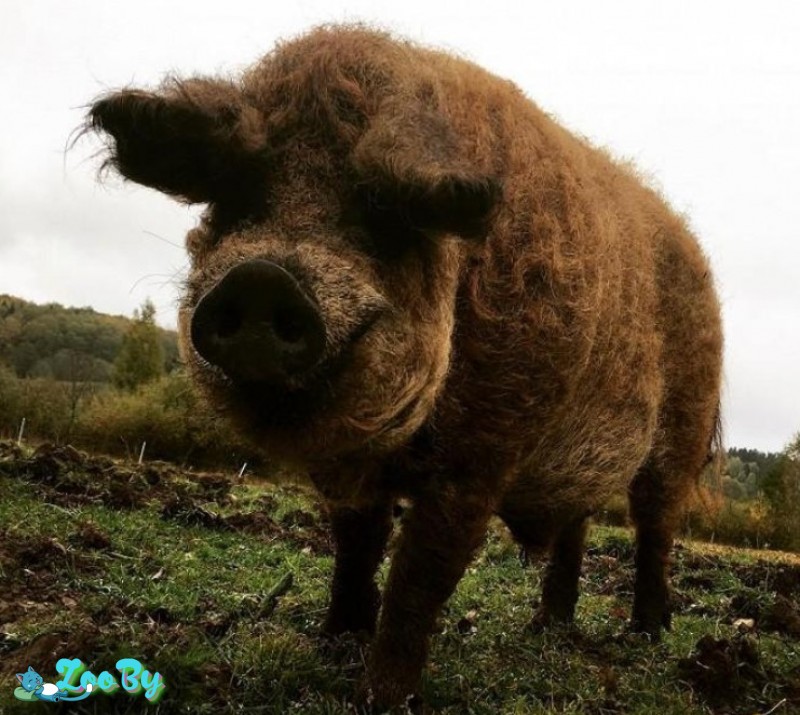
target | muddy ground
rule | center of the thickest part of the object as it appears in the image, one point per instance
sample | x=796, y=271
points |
x=58, y=599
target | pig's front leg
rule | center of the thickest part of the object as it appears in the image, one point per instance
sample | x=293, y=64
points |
x=360, y=536
x=440, y=535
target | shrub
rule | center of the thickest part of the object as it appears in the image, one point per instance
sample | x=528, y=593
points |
x=168, y=415
x=44, y=403
x=615, y=511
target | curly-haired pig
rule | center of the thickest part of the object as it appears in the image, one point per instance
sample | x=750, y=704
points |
x=415, y=284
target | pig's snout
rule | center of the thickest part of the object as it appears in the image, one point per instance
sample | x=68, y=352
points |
x=257, y=324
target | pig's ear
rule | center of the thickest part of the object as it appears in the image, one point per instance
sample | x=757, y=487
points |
x=414, y=162
x=197, y=139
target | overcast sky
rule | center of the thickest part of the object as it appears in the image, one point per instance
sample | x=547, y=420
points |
x=703, y=96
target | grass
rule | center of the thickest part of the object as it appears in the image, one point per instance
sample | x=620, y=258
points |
x=182, y=582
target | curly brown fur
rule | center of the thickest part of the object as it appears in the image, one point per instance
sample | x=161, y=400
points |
x=514, y=322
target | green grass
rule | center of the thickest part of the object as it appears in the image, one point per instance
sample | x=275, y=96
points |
x=191, y=602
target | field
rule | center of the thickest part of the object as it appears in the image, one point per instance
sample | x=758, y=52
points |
x=221, y=587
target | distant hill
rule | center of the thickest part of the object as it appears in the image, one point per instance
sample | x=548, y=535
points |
x=43, y=340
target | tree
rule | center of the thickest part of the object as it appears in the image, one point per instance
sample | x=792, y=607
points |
x=735, y=468
x=732, y=489
x=782, y=489
x=141, y=356
x=82, y=373
x=751, y=483
x=763, y=461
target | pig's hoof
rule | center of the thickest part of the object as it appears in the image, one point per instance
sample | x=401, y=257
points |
x=648, y=629
x=337, y=623
x=546, y=620
x=376, y=700
x=392, y=684
x=354, y=616
x=650, y=622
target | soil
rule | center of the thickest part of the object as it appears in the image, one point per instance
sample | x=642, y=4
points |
x=725, y=673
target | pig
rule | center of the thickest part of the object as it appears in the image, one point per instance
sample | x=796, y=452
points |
x=413, y=283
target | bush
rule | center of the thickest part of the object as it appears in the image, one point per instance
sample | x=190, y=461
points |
x=753, y=523
x=10, y=401
x=169, y=416
x=784, y=496
x=44, y=404
x=615, y=511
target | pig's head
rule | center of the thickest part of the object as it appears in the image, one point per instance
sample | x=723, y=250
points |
x=320, y=305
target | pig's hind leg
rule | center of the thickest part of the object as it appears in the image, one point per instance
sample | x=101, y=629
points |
x=560, y=583
x=655, y=516
x=563, y=537
x=657, y=496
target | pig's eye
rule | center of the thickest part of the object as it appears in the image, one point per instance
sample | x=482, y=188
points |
x=391, y=235
x=232, y=216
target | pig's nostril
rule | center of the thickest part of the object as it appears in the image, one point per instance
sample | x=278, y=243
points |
x=289, y=327
x=230, y=322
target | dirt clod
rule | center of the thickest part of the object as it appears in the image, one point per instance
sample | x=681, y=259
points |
x=189, y=513
x=720, y=669
x=63, y=475
x=783, y=617
x=90, y=536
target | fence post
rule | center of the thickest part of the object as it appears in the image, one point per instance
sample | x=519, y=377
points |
x=21, y=432
x=141, y=452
